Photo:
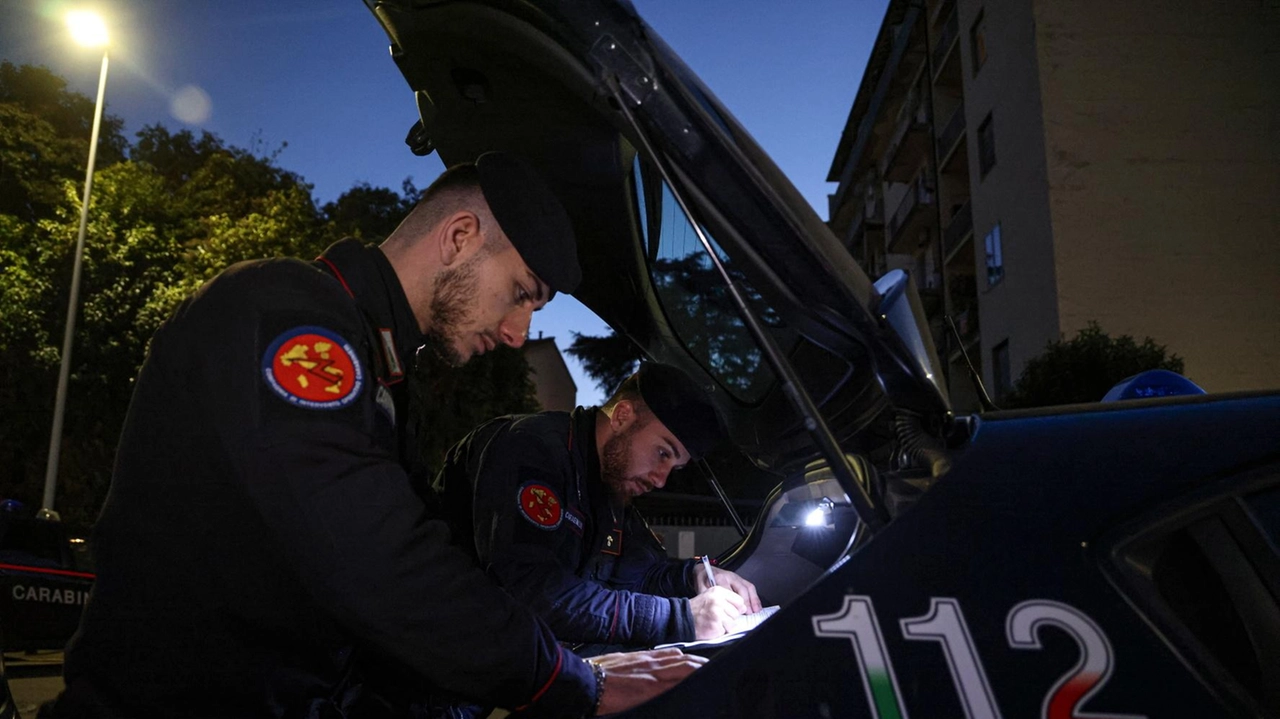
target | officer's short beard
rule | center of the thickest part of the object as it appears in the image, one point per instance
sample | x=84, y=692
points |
x=452, y=304
x=613, y=463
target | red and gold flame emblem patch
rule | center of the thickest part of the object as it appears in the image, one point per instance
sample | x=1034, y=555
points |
x=540, y=505
x=313, y=367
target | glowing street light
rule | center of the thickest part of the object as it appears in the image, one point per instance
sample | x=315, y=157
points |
x=89, y=30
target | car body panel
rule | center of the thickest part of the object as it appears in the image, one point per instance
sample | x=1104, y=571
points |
x=1024, y=515
x=44, y=583
x=1107, y=558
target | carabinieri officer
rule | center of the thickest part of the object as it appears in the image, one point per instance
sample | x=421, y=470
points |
x=544, y=502
x=261, y=538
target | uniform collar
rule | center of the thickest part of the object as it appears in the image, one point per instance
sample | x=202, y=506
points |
x=584, y=449
x=368, y=276
x=584, y=443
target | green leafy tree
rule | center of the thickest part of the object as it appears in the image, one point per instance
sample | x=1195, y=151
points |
x=608, y=360
x=44, y=139
x=705, y=319
x=448, y=402
x=162, y=222
x=181, y=208
x=1084, y=367
x=370, y=213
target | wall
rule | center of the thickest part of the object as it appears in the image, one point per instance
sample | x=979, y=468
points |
x=1163, y=151
x=554, y=386
x=1022, y=307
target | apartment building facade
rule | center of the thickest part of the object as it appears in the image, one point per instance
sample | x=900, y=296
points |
x=1038, y=165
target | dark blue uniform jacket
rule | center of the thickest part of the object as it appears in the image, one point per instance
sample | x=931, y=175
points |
x=260, y=530
x=525, y=495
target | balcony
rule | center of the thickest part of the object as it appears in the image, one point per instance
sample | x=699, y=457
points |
x=946, y=42
x=958, y=230
x=872, y=211
x=908, y=145
x=931, y=301
x=913, y=212
x=967, y=324
x=962, y=299
x=867, y=246
x=867, y=232
x=952, y=135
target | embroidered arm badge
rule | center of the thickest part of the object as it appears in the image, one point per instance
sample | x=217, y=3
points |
x=540, y=505
x=314, y=368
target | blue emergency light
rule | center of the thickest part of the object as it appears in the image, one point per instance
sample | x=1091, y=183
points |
x=1152, y=383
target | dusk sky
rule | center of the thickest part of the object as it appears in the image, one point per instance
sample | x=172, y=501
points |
x=316, y=74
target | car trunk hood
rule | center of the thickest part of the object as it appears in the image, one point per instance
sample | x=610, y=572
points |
x=550, y=80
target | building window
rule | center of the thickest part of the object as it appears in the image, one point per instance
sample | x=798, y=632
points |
x=986, y=146
x=978, y=43
x=1000, y=370
x=995, y=257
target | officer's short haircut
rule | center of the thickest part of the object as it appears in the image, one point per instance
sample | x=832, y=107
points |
x=629, y=390
x=515, y=206
x=671, y=396
x=455, y=190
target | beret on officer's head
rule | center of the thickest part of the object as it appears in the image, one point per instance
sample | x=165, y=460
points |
x=532, y=218
x=680, y=404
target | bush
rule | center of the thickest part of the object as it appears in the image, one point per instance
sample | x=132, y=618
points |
x=1084, y=367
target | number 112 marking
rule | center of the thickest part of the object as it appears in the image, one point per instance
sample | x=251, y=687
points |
x=945, y=624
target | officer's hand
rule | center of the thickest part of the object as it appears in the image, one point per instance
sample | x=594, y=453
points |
x=731, y=581
x=714, y=611
x=632, y=678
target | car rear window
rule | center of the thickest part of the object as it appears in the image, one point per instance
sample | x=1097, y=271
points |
x=693, y=295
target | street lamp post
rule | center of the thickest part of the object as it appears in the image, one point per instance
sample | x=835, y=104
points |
x=88, y=30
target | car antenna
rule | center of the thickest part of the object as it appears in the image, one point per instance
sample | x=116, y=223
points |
x=983, y=398
x=872, y=514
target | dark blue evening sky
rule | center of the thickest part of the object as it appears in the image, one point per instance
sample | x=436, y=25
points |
x=316, y=74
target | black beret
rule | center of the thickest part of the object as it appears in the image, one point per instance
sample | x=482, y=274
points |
x=681, y=404
x=532, y=218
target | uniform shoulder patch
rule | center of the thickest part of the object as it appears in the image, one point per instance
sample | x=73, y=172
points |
x=540, y=505
x=312, y=367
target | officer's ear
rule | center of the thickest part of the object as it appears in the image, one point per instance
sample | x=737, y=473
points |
x=624, y=413
x=459, y=237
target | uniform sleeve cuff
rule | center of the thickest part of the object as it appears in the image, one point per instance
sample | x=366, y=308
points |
x=569, y=692
x=690, y=578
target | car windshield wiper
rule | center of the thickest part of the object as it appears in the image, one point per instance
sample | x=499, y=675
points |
x=873, y=516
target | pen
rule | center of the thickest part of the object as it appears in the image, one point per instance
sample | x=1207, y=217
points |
x=706, y=564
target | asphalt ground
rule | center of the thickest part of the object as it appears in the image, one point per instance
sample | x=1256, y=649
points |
x=37, y=678
x=33, y=679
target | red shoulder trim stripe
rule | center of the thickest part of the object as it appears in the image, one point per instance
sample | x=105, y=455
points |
x=337, y=274
x=555, y=673
x=42, y=570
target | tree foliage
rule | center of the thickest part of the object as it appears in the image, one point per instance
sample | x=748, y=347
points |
x=704, y=318
x=44, y=139
x=152, y=238
x=608, y=360
x=370, y=213
x=448, y=402
x=1084, y=367
x=168, y=212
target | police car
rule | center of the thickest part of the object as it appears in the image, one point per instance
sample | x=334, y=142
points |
x=1115, y=559
x=45, y=578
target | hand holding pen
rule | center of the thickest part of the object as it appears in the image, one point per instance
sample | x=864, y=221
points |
x=726, y=579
